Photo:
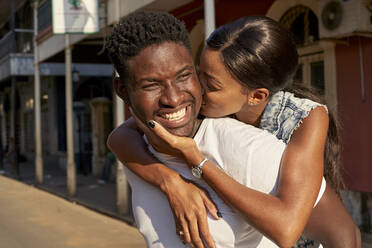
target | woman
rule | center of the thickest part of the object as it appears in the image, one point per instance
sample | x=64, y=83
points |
x=243, y=68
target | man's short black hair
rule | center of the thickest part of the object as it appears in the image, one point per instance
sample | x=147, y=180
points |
x=139, y=30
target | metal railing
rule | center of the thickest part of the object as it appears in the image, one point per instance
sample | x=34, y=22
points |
x=7, y=44
x=17, y=41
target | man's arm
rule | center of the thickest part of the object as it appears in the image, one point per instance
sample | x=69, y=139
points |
x=187, y=201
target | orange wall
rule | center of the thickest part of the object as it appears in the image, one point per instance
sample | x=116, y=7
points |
x=355, y=114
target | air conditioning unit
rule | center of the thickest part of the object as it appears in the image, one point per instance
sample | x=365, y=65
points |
x=342, y=18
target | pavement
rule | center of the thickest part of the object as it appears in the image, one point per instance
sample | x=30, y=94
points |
x=90, y=193
x=33, y=218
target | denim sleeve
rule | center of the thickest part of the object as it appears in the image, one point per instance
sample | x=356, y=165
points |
x=284, y=114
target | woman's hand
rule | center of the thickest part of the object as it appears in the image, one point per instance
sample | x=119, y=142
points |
x=189, y=204
x=165, y=142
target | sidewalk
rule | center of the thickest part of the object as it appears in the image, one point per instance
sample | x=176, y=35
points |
x=91, y=194
x=33, y=218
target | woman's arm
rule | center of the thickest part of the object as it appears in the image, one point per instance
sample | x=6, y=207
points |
x=284, y=216
x=339, y=229
x=188, y=202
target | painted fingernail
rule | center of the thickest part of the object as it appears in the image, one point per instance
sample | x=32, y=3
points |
x=151, y=124
x=219, y=214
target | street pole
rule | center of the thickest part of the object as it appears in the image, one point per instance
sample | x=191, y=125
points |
x=122, y=190
x=14, y=146
x=13, y=118
x=209, y=17
x=1, y=140
x=71, y=170
x=38, y=140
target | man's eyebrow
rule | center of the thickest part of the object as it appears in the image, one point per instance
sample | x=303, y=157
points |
x=149, y=79
x=186, y=67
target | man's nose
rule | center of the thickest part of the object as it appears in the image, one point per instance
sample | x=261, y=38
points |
x=172, y=96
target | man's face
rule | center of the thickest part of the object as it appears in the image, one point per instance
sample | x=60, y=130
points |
x=163, y=86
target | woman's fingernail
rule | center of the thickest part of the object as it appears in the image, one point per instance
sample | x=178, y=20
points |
x=219, y=214
x=151, y=124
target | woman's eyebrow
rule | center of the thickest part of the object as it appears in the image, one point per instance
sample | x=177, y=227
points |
x=214, y=79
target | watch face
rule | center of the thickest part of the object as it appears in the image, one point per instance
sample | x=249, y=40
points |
x=196, y=172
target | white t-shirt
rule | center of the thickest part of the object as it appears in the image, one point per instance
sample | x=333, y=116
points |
x=248, y=154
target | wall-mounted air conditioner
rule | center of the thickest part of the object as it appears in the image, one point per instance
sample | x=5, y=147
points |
x=341, y=18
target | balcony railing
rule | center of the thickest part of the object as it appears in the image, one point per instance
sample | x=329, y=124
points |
x=18, y=41
x=7, y=44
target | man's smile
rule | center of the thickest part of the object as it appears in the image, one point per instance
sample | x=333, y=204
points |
x=175, y=118
x=175, y=115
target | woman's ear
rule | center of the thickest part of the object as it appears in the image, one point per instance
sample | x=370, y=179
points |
x=121, y=89
x=258, y=96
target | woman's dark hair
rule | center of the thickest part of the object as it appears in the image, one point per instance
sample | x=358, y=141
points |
x=260, y=53
x=142, y=29
x=257, y=51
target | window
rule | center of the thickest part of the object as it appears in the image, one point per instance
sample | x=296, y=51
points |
x=303, y=23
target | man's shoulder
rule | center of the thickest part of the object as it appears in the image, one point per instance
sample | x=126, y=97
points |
x=233, y=128
x=237, y=135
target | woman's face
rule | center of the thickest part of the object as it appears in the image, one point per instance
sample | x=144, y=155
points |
x=223, y=94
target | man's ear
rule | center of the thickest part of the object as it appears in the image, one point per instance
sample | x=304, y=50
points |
x=258, y=96
x=121, y=89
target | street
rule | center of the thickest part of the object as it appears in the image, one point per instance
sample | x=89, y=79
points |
x=32, y=218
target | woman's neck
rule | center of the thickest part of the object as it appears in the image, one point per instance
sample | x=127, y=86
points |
x=252, y=114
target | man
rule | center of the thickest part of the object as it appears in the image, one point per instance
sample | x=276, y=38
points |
x=152, y=55
x=126, y=41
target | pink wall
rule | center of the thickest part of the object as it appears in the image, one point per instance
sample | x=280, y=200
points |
x=355, y=115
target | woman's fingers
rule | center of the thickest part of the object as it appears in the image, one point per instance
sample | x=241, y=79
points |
x=195, y=234
x=189, y=204
x=162, y=133
x=204, y=230
x=211, y=207
x=183, y=232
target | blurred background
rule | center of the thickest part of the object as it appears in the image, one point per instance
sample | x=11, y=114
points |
x=57, y=105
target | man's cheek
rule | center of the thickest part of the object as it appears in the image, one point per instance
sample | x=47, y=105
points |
x=139, y=111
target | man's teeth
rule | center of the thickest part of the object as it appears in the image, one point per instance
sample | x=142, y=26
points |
x=176, y=115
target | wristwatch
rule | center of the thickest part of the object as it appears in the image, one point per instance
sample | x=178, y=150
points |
x=197, y=171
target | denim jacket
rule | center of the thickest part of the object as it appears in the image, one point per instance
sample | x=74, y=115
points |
x=284, y=113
